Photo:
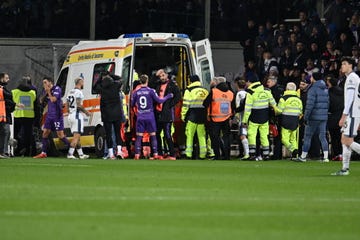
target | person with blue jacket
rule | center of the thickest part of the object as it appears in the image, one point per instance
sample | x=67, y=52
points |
x=316, y=116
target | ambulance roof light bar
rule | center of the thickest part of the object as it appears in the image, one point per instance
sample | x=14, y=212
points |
x=155, y=35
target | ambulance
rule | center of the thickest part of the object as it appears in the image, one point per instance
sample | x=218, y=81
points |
x=129, y=56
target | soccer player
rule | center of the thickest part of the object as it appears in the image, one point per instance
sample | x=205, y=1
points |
x=75, y=118
x=54, y=119
x=240, y=105
x=143, y=98
x=350, y=118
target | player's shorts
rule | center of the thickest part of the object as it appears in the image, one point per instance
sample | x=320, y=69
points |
x=145, y=125
x=54, y=124
x=350, y=127
x=242, y=131
x=76, y=123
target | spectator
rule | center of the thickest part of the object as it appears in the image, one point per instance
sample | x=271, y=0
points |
x=354, y=26
x=344, y=43
x=279, y=48
x=315, y=53
x=295, y=75
x=267, y=62
x=306, y=27
x=310, y=67
x=339, y=14
x=293, y=39
x=324, y=67
x=287, y=60
x=250, y=70
x=248, y=40
x=282, y=31
x=263, y=37
x=355, y=55
x=300, y=55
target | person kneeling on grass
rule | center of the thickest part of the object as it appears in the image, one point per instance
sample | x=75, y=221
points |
x=143, y=98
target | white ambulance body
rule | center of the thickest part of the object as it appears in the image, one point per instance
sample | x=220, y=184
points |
x=143, y=53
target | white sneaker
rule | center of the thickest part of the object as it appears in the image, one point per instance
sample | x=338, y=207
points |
x=326, y=160
x=84, y=156
x=71, y=156
x=342, y=172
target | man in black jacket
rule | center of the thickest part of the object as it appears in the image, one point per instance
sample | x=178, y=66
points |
x=336, y=106
x=9, y=108
x=165, y=112
x=111, y=110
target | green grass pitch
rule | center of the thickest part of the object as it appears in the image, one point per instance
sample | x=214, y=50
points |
x=57, y=198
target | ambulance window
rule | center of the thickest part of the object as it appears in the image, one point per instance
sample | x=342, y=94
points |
x=125, y=75
x=205, y=73
x=100, y=68
x=61, y=82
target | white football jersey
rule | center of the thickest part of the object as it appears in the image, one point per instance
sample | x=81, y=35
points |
x=353, y=82
x=240, y=96
x=74, y=95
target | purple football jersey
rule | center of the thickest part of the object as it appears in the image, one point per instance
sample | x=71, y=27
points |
x=55, y=108
x=144, y=99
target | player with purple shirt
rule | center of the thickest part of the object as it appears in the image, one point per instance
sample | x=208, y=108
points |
x=143, y=99
x=54, y=119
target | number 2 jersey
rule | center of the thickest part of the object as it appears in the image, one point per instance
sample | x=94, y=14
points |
x=352, y=106
x=74, y=95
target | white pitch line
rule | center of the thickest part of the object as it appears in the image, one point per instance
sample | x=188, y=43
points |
x=50, y=164
x=15, y=213
x=166, y=198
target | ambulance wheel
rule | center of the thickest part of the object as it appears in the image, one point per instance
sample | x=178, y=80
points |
x=100, y=139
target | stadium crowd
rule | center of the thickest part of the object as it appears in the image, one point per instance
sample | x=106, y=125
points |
x=70, y=18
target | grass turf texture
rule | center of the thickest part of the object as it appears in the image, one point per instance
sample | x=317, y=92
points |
x=95, y=199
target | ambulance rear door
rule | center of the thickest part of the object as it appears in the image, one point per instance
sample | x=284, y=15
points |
x=127, y=66
x=203, y=56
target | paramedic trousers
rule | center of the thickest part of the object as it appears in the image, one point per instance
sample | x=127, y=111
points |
x=263, y=129
x=289, y=139
x=190, y=130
